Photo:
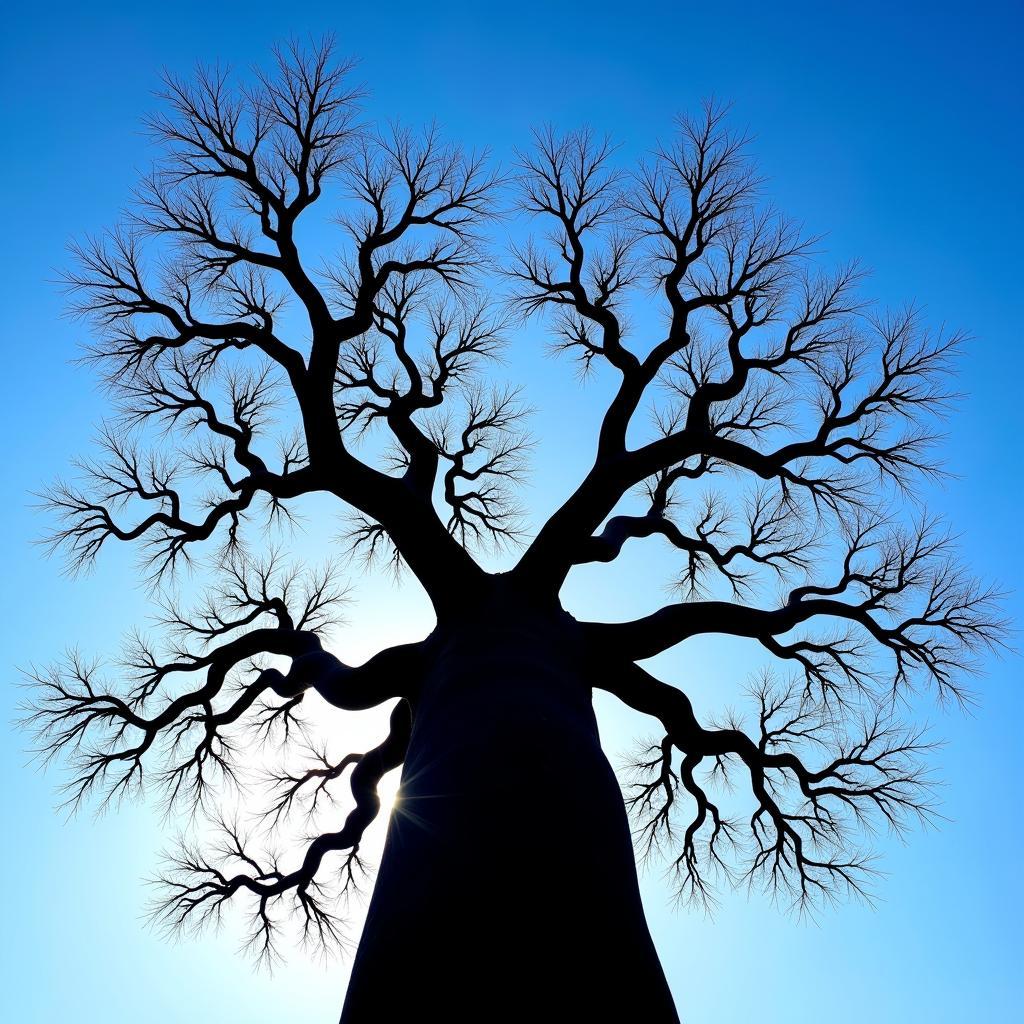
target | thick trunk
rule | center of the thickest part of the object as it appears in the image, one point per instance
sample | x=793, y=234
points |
x=508, y=886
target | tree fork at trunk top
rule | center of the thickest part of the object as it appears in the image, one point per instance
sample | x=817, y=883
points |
x=508, y=886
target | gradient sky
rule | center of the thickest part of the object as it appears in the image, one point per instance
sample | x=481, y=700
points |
x=894, y=128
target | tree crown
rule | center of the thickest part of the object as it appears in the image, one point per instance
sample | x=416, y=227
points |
x=772, y=431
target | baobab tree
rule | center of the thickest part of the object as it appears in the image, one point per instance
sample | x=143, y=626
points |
x=768, y=432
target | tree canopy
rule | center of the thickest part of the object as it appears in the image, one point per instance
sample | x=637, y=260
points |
x=772, y=433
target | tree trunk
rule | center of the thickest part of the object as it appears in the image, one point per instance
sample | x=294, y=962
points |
x=508, y=887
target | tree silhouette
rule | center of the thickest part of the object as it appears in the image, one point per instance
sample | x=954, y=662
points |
x=771, y=432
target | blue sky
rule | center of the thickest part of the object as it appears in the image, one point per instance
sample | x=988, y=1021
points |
x=894, y=129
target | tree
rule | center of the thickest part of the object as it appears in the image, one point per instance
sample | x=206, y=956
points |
x=772, y=433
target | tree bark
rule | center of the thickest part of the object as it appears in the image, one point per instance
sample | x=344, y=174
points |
x=508, y=886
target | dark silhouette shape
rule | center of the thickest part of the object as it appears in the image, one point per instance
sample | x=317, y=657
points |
x=508, y=886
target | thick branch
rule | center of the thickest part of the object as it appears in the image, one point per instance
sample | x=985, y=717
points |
x=800, y=828
x=197, y=887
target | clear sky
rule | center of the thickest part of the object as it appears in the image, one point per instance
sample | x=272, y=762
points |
x=894, y=128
